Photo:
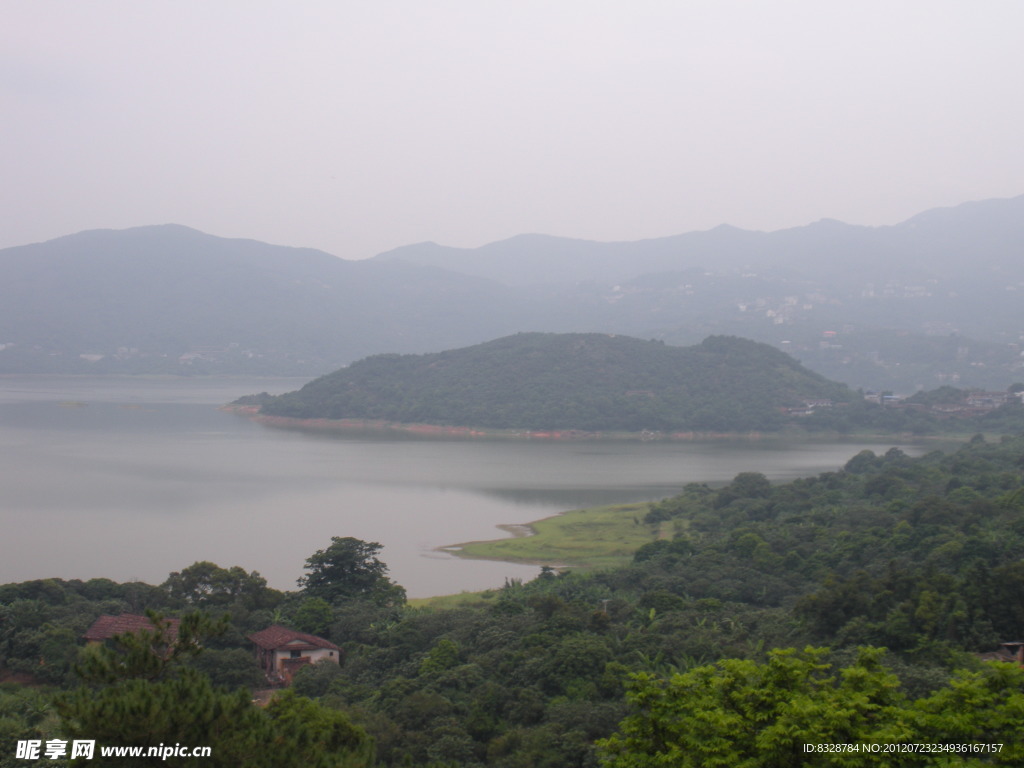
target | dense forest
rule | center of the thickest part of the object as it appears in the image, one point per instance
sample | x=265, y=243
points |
x=684, y=657
x=591, y=382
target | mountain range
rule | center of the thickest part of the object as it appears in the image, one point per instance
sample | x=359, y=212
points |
x=934, y=300
x=930, y=246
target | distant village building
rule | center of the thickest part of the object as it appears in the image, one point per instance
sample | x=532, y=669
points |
x=281, y=652
x=809, y=407
x=987, y=400
x=819, y=403
x=1008, y=652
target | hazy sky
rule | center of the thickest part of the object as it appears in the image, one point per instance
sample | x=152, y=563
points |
x=356, y=127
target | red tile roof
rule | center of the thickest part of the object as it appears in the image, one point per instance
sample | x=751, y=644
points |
x=275, y=636
x=107, y=626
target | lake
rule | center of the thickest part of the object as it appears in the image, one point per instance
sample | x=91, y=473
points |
x=132, y=478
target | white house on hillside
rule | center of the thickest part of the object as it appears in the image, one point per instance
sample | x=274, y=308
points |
x=281, y=652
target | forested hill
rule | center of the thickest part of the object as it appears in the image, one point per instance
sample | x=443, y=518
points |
x=545, y=381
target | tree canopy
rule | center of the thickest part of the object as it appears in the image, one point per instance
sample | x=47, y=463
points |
x=795, y=710
x=349, y=569
x=207, y=585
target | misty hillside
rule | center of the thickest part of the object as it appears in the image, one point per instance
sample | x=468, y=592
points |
x=172, y=299
x=569, y=381
x=940, y=244
x=933, y=301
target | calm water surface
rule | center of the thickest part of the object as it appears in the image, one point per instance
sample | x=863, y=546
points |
x=132, y=478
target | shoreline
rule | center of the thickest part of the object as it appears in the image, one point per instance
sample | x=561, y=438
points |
x=441, y=431
x=591, y=537
x=385, y=427
x=515, y=531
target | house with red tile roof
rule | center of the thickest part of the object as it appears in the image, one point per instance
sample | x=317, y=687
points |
x=107, y=627
x=281, y=652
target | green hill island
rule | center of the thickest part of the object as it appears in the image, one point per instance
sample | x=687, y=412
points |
x=547, y=384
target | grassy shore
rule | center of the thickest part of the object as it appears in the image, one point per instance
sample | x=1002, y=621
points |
x=460, y=600
x=598, y=537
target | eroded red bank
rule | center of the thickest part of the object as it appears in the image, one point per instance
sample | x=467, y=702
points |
x=438, y=430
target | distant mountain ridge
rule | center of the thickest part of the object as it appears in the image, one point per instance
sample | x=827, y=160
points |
x=590, y=382
x=172, y=299
x=926, y=242
x=934, y=300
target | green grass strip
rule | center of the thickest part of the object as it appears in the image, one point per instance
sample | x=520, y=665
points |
x=597, y=537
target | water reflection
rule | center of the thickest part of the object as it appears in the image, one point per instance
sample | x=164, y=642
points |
x=128, y=478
